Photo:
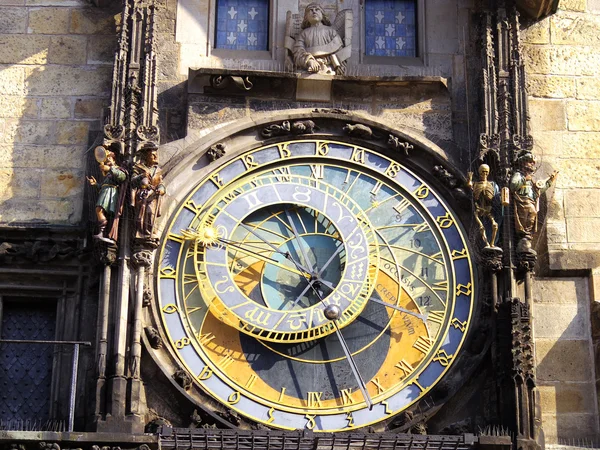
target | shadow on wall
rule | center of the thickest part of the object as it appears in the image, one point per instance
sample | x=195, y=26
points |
x=55, y=71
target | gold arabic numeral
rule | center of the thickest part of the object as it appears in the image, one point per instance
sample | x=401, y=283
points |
x=310, y=424
x=315, y=399
x=378, y=385
x=283, y=174
x=271, y=417
x=440, y=286
x=422, y=192
x=170, y=308
x=347, y=179
x=405, y=367
x=205, y=374
x=350, y=420
x=459, y=324
x=421, y=227
x=317, y=171
x=249, y=162
x=387, y=409
x=423, y=344
x=443, y=358
x=459, y=254
x=180, y=343
x=347, y=397
x=284, y=151
x=226, y=361
x=402, y=206
x=322, y=149
x=376, y=188
x=233, y=398
x=436, y=317
x=393, y=170
x=251, y=381
x=281, y=394
x=216, y=179
x=445, y=221
x=463, y=289
x=168, y=272
x=358, y=155
x=258, y=316
x=205, y=338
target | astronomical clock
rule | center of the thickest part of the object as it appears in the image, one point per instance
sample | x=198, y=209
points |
x=313, y=283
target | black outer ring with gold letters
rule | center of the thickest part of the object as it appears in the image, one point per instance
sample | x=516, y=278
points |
x=425, y=270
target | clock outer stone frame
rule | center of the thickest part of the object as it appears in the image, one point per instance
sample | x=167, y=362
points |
x=240, y=143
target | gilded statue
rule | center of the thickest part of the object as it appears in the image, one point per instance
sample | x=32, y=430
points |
x=317, y=45
x=485, y=193
x=110, y=194
x=526, y=194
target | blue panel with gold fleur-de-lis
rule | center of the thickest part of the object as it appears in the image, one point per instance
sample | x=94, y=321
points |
x=242, y=24
x=390, y=28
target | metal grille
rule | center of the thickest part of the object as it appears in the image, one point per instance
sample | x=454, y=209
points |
x=179, y=439
x=26, y=369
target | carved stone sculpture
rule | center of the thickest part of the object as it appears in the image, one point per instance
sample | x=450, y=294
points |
x=298, y=127
x=148, y=189
x=182, y=378
x=360, y=131
x=526, y=197
x=154, y=338
x=110, y=196
x=485, y=194
x=317, y=45
x=215, y=152
x=395, y=143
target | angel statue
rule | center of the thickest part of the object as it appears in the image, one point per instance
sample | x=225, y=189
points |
x=315, y=44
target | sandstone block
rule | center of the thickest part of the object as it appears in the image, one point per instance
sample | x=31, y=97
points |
x=435, y=125
x=576, y=173
x=538, y=33
x=562, y=59
x=92, y=21
x=24, y=49
x=572, y=5
x=12, y=81
x=565, y=321
x=588, y=88
x=442, y=23
x=61, y=183
x=35, y=132
x=548, y=115
x=62, y=80
x=583, y=115
x=49, y=20
x=8, y=130
x=64, y=211
x=63, y=3
x=567, y=398
x=581, y=229
x=548, y=143
x=582, y=203
x=19, y=183
x=575, y=29
x=581, y=144
x=551, y=86
x=12, y=2
x=55, y=108
x=559, y=428
x=6, y=156
x=13, y=20
x=32, y=108
x=559, y=290
x=67, y=50
x=555, y=205
x=202, y=115
x=556, y=232
x=101, y=49
x=565, y=360
x=594, y=5
x=47, y=156
x=90, y=108
x=11, y=105
x=72, y=133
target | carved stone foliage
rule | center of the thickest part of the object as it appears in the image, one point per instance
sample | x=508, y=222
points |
x=522, y=340
x=317, y=44
x=286, y=127
x=142, y=258
x=215, y=152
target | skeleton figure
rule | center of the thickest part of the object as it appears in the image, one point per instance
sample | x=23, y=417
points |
x=484, y=193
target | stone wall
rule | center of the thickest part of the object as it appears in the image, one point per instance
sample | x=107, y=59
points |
x=562, y=55
x=55, y=71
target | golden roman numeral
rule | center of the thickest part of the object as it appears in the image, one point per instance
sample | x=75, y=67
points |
x=205, y=338
x=281, y=394
x=283, y=174
x=315, y=399
x=347, y=397
x=376, y=382
x=376, y=188
x=402, y=206
x=436, y=317
x=423, y=344
x=405, y=367
x=440, y=286
x=317, y=170
x=421, y=227
x=251, y=381
x=226, y=361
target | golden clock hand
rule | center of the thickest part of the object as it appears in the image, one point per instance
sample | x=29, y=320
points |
x=268, y=260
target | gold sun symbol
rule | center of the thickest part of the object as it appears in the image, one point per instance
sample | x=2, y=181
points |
x=206, y=235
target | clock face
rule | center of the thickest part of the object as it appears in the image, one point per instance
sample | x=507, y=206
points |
x=315, y=284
